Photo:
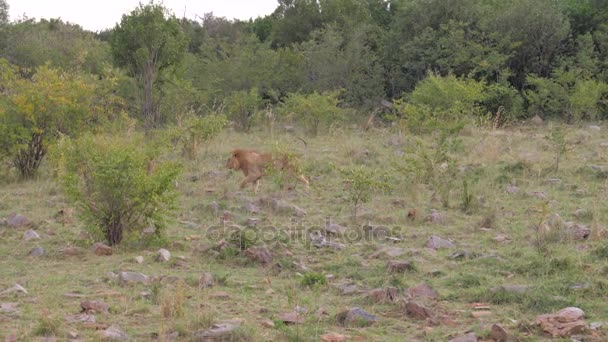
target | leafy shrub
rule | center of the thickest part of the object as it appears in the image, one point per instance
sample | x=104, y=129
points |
x=118, y=183
x=586, y=99
x=193, y=130
x=243, y=238
x=361, y=183
x=315, y=111
x=313, y=278
x=242, y=107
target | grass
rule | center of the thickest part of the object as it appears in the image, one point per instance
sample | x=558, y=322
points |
x=306, y=276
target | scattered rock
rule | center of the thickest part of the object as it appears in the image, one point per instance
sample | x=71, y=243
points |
x=205, y=280
x=422, y=291
x=333, y=337
x=64, y=216
x=31, y=235
x=252, y=222
x=537, y=120
x=470, y=337
x=252, y=208
x=72, y=335
x=502, y=238
x=434, y=217
x=460, y=255
x=319, y=240
x=291, y=318
x=217, y=332
x=133, y=277
x=436, y=242
x=163, y=255
x=539, y=194
x=259, y=254
x=8, y=308
x=14, y=289
x=139, y=259
x=15, y=220
x=267, y=323
x=566, y=322
x=384, y=295
x=578, y=231
x=412, y=214
x=113, y=333
x=417, y=311
x=348, y=289
x=356, y=316
x=498, y=333
x=12, y=337
x=80, y=318
x=72, y=251
x=36, y=252
x=94, y=306
x=101, y=249
x=399, y=266
x=334, y=228
x=377, y=232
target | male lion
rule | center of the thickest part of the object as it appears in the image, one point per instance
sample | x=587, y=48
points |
x=254, y=163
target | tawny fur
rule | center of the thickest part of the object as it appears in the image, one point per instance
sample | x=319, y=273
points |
x=253, y=164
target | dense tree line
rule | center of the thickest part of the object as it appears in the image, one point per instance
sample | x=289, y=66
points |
x=531, y=57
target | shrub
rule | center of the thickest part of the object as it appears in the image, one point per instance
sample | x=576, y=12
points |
x=315, y=111
x=361, y=184
x=117, y=182
x=313, y=279
x=193, y=130
x=242, y=107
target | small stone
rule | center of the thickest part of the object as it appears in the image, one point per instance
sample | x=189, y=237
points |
x=334, y=228
x=101, y=249
x=139, y=259
x=333, y=337
x=72, y=251
x=113, y=333
x=163, y=255
x=267, y=323
x=356, y=316
x=213, y=207
x=217, y=332
x=8, y=308
x=15, y=220
x=436, y=242
x=435, y=217
x=422, y=291
x=502, y=238
x=566, y=322
x=94, y=306
x=384, y=295
x=594, y=128
x=399, y=266
x=252, y=222
x=417, y=311
x=259, y=254
x=537, y=120
x=470, y=337
x=252, y=208
x=389, y=251
x=512, y=189
x=81, y=318
x=291, y=318
x=31, y=235
x=220, y=295
x=133, y=277
x=72, y=335
x=36, y=252
x=498, y=333
x=205, y=280
x=519, y=289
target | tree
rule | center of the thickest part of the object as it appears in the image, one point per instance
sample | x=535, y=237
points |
x=148, y=42
x=3, y=12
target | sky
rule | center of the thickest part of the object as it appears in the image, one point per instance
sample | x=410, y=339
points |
x=96, y=15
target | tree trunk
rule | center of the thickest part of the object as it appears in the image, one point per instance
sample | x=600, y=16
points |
x=28, y=159
x=150, y=110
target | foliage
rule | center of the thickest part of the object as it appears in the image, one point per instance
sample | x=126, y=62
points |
x=311, y=279
x=314, y=111
x=560, y=145
x=53, y=102
x=361, y=183
x=242, y=107
x=147, y=42
x=193, y=130
x=118, y=183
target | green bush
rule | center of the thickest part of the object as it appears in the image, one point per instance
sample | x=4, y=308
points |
x=117, y=183
x=312, y=279
x=193, y=130
x=361, y=183
x=242, y=107
x=314, y=111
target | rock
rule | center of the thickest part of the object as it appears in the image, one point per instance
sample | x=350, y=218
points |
x=537, y=120
x=436, y=242
x=391, y=252
x=252, y=208
x=348, y=289
x=217, y=332
x=333, y=337
x=377, y=232
x=111, y=276
x=205, y=280
x=8, y=308
x=72, y=335
x=36, y=252
x=291, y=318
x=518, y=289
x=139, y=259
x=578, y=231
x=14, y=289
x=267, y=323
x=461, y=255
x=399, y=266
x=422, y=291
x=604, y=144
x=213, y=207
x=80, y=318
x=31, y=235
x=417, y=311
x=133, y=277
x=259, y=254
x=356, y=316
x=566, y=322
x=434, y=217
x=113, y=333
x=318, y=240
x=15, y=220
x=502, y=238
x=539, y=194
x=252, y=222
x=101, y=249
x=594, y=128
x=220, y=295
x=512, y=189
x=470, y=337
x=72, y=251
x=64, y=216
x=94, y=306
x=498, y=333
x=384, y=295
x=163, y=255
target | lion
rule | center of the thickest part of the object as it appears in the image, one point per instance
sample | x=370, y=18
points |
x=253, y=164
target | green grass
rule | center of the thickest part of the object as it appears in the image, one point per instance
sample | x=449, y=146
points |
x=492, y=160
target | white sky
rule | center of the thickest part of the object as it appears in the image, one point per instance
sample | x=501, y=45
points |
x=97, y=15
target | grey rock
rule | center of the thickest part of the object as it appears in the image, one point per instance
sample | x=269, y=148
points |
x=518, y=289
x=436, y=242
x=36, y=252
x=14, y=289
x=470, y=337
x=31, y=235
x=163, y=255
x=356, y=316
x=217, y=332
x=133, y=277
x=113, y=333
x=15, y=220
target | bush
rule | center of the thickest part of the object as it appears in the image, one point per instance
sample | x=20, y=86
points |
x=117, y=183
x=312, y=278
x=242, y=107
x=193, y=130
x=314, y=111
x=361, y=184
